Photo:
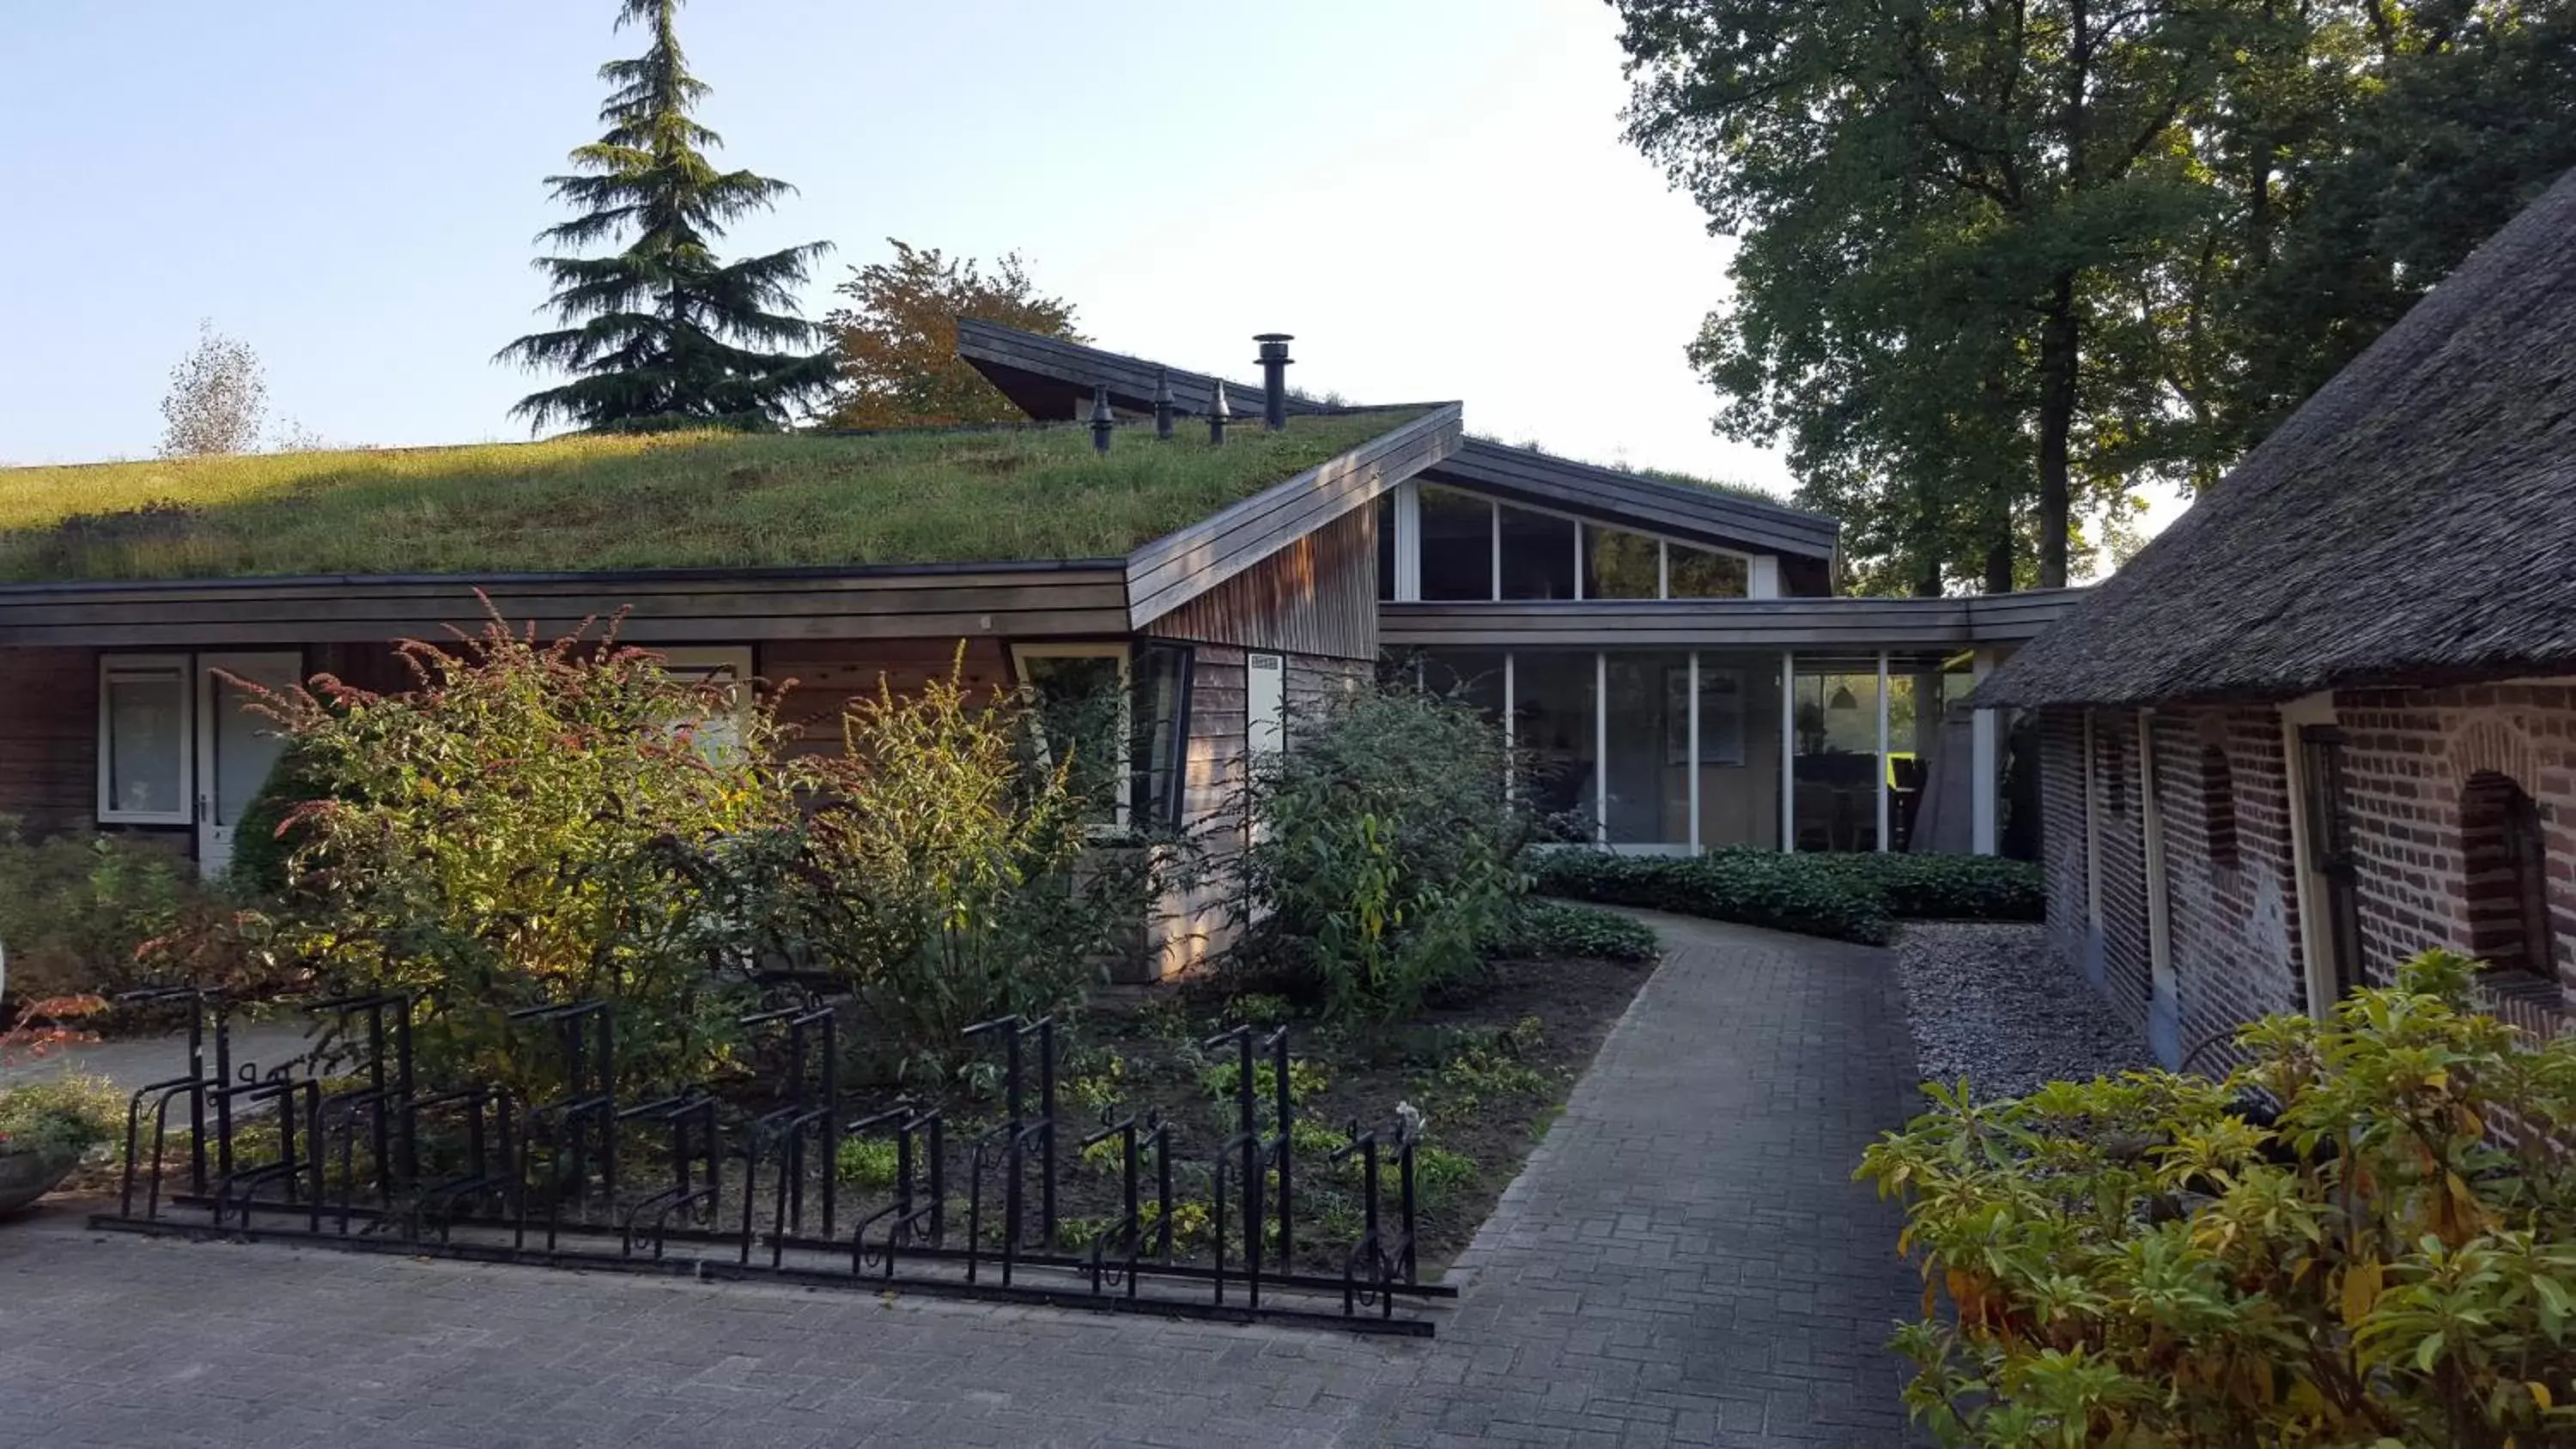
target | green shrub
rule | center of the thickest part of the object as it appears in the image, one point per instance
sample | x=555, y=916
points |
x=267, y=836
x=1944, y=887
x=75, y=909
x=1384, y=856
x=1538, y=930
x=532, y=824
x=66, y=1116
x=1749, y=887
x=950, y=879
x=2333, y=1246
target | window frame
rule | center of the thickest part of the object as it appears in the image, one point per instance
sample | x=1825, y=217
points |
x=1402, y=520
x=182, y=669
x=1122, y=651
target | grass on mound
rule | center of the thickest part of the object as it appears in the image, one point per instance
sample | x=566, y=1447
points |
x=672, y=500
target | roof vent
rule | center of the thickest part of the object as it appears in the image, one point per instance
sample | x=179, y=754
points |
x=1217, y=416
x=1274, y=378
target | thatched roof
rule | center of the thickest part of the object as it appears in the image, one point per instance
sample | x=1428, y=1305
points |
x=2414, y=521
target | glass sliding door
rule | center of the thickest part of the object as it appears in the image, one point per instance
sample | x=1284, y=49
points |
x=1646, y=750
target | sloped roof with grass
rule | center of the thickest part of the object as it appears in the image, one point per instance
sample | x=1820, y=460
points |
x=670, y=501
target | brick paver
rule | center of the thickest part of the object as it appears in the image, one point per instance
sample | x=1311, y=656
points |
x=1684, y=1261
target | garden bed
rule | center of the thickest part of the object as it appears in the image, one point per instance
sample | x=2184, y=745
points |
x=1488, y=1070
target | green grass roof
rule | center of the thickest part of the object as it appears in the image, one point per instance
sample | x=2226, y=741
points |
x=667, y=501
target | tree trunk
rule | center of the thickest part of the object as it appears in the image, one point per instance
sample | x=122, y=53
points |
x=2059, y=345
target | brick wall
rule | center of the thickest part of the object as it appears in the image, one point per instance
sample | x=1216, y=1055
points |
x=2416, y=763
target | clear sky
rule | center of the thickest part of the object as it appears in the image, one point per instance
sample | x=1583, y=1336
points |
x=1432, y=194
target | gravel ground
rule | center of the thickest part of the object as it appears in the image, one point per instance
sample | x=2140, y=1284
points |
x=1992, y=1003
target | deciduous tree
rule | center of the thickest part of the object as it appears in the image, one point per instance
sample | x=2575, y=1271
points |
x=2002, y=261
x=665, y=334
x=897, y=337
x=217, y=398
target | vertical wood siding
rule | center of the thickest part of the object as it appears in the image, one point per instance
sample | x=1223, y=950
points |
x=1317, y=596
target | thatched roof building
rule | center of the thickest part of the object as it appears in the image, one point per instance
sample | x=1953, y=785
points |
x=2415, y=520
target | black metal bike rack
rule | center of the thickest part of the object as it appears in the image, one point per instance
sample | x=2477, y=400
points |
x=470, y=1171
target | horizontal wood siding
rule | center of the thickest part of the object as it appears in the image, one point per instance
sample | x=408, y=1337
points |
x=675, y=608
x=821, y=676
x=49, y=737
x=1827, y=623
x=1316, y=596
x=1171, y=571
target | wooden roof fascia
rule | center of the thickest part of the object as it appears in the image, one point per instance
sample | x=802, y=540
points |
x=1178, y=567
x=943, y=603
x=1130, y=380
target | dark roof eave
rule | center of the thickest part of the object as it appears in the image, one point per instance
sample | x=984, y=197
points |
x=579, y=577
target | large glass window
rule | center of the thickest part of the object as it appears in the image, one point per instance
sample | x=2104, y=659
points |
x=1385, y=521
x=1698, y=573
x=1835, y=715
x=1161, y=733
x=1471, y=676
x=1079, y=692
x=1621, y=565
x=143, y=740
x=1538, y=555
x=1553, y=730
x=1457, y=545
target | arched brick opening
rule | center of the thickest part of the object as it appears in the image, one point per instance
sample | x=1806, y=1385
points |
x=2504, y=859
x=2218, y=804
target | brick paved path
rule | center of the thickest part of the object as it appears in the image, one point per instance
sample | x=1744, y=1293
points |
x=1685, y=1261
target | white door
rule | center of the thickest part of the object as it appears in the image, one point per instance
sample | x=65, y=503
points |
x=235, y=745
x=1265, y=711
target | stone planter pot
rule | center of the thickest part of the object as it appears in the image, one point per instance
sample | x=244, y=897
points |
x=27, y=1176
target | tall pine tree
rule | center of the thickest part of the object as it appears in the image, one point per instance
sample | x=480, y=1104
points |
x=664, y=334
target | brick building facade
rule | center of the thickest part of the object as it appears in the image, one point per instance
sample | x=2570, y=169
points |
x=2328, y=719
x=2433, y=780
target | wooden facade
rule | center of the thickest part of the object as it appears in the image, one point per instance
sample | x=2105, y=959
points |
x=1827, y=625
x=676, y=606
x=1169, y=572
x=1316, y=596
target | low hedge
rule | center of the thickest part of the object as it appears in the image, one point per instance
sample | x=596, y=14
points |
x=1535, y=930
x=1841, y=897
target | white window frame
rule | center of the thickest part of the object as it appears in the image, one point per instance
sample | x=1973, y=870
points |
x=1759, y=569
x=183, y=667
x=1021, y=654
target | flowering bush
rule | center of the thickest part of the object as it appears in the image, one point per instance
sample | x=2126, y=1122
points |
x=2337, y=1245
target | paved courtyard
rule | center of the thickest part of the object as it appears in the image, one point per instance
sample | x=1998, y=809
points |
x=1685, y=1261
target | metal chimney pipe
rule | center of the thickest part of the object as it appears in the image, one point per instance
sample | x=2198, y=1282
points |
x=1217, y=416
x=1274, y=379
x=1163, y=404
x=1100, y=419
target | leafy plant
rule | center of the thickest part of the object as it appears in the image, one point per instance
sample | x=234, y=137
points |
x=1305, y=1079
x=869, y=1163
x=1383, y=855
x=532, y=824
x=1439, y=1172
x=75, y=909
x=63, y=1116
x=1540, y=929
x=2339, y=1244
x=943, y=863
